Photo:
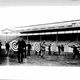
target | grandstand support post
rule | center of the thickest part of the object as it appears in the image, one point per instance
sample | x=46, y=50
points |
x=56, y=40
x=27, y=38
x=57, y=37
x=77, y=37
x=40, y=38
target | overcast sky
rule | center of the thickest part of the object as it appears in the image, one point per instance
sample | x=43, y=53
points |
x=12, y=16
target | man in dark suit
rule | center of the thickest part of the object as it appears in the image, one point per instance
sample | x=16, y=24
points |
x=76, y=52
x=49, y=49
x=59, y=49
x=0, y=47
x=7, y=48
x=24, y=47
x=29, y=48
x=42, y=49
x=21, y=45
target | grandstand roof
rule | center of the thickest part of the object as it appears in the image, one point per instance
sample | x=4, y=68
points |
x=56, y=26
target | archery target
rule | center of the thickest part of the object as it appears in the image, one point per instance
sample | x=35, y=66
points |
x=13, y=45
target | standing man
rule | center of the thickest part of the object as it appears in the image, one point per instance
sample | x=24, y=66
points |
x=24, y=47
x=42, y=49
x=29, y=48
x=49, y=49
x=20, y=50
x=75, y=51
x=59, y=49
x=62, y=48
x=0, y=47
x=7, y=48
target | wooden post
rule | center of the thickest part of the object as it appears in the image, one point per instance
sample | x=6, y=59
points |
x=77, y=37
x=40, y=38
x=57, y=38
x=27, y=37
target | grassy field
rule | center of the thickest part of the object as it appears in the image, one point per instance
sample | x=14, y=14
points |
x=65, y=59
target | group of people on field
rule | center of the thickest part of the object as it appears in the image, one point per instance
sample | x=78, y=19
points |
x=43, y=49
x=22, y=49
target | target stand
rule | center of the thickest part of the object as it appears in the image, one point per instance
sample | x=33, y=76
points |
x=14, y=46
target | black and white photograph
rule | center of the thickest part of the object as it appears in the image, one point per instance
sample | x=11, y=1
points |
x=39, y=33
x=39, y=39
x=33, y=39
